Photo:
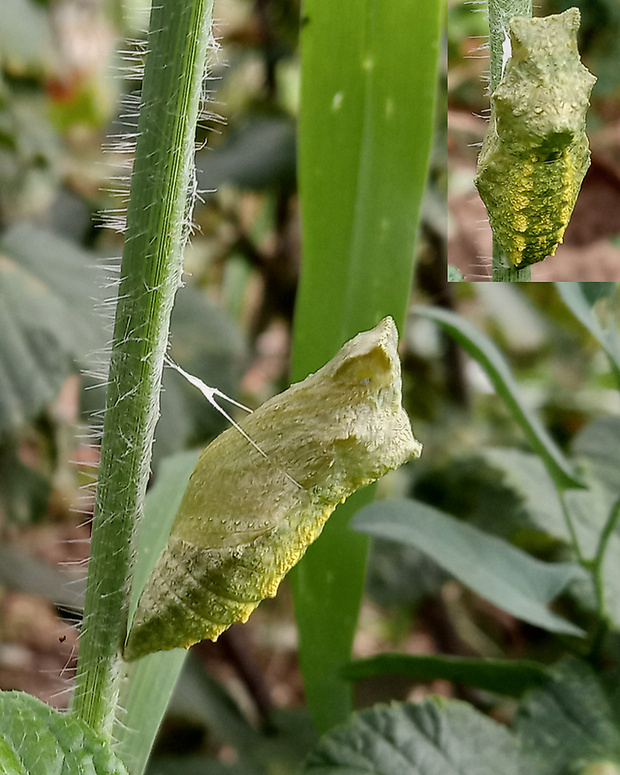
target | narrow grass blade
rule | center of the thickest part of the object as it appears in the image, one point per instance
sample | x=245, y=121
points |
x=367, y=104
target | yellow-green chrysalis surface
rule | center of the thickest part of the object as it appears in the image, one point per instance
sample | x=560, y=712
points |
x=535, y=153
x=248, y=514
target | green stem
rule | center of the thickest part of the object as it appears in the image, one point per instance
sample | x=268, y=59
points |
x=500, y=13
x=151, y=270
x=573, y=533
x=597, y=577
x=505, y=272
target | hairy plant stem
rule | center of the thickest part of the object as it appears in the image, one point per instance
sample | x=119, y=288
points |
x=508, y=274
x=151, y=268
x=500, y=13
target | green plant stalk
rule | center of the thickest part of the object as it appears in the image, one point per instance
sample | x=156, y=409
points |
x=571, y=528
x=508, y=274
x=494, y=364
x=597, y=576
x=500, y=13
x=366, y=122
x=151, y=269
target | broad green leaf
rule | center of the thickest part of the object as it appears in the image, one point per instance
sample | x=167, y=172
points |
x=366, y=122
x=525, y=474
x=508, y=677
x=512, y=481
x=147, y=690
x=581, y=301
x=9, y=762
x=492, y=361
x=435, y=737
x=38, y=740
x=597, y=446
x=571, y=723
x=144, y=698
x=517, y=484
x=499, y=572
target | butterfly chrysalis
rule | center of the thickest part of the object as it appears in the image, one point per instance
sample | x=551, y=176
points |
x=535, y=153
x=250, y=510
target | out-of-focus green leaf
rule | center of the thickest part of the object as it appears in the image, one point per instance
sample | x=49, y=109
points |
x=494, y=478
x=521, y=324
x=28, y=574
x=259, y=154
x=580, y=299
x=46, y=318
x=508, y=677
x=206, y=343
x=26, y=37
x=366, y=123
x=492, y=361
x=516, y=484
x=24, y=492
x=201, y=697
x=508, y=577
x=38, y=740
x=597, y=447
x=595, y=291
x=570, y=723
x=389, y=563
x=442, y=737
x=200, y=765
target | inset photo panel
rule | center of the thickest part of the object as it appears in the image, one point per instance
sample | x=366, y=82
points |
x=533, y=141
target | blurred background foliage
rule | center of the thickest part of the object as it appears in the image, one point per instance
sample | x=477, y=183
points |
x=590, y=249
x=59, y=92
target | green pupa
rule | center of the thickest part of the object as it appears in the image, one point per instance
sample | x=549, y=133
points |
x=251, y=510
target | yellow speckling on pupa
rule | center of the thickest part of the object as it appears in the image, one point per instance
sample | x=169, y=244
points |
x=248, y=514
